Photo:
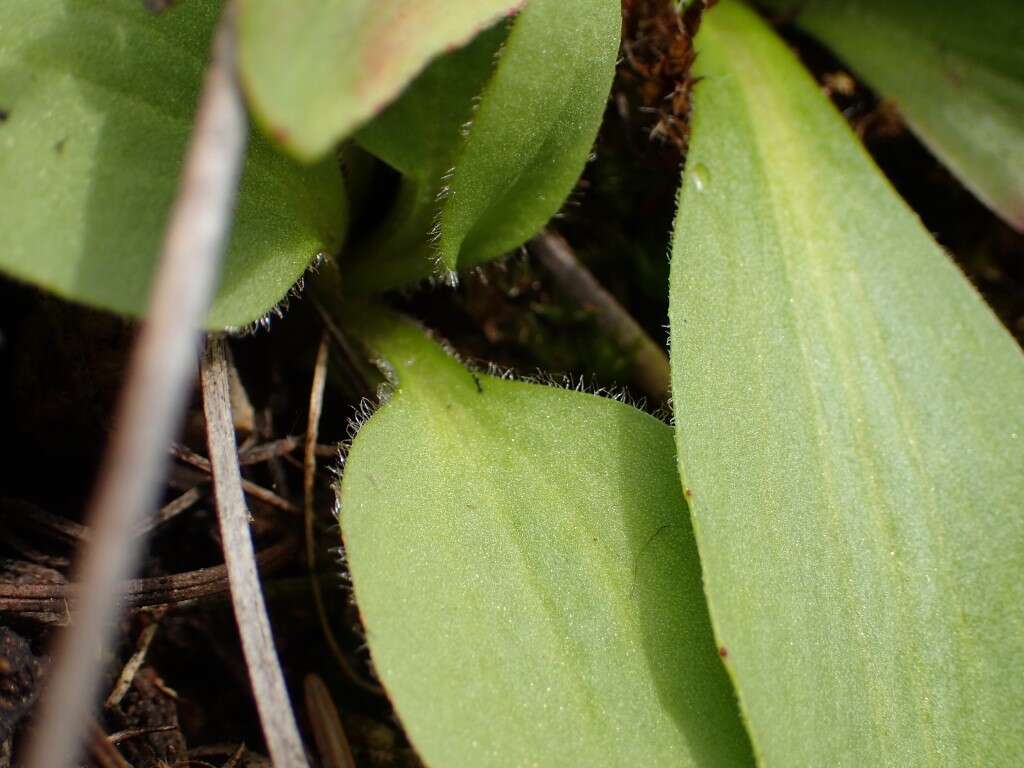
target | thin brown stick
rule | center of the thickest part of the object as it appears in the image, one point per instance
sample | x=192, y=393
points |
x=128, y=672
x=316, y=402
x=216, y=750
x=269, y=690
x=175, y=589
x=650, y=363
x=281, y=448
x=236, y=759
x=32, y=554
x=185, y=478
x=160, y=373
x=29, y=515
x=331, y=741
x=134, y=733
x=173, y=508
x=257, y=454
x=102, y=749
x=356, y=369
x=256, y=491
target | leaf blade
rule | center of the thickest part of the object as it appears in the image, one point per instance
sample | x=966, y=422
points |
x=521, y=609
x=535, y=126
x=957, y=76
x=419, y=136
x=850, y=416
x=100, y=97
x=482, y=175
x=316, y=70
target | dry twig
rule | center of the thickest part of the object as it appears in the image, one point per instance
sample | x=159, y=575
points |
x=331, y=741
x=256, y=491
x=257, y=454
x=276, y=716
x=650, y=363
x=31, y=516
x=102, y=748
x=236, y=759
x=128, y=672
x=160, y=373
x=316, y=401
x=173, y=508
x=312, y=450
x=50, y=601
x=134, y=733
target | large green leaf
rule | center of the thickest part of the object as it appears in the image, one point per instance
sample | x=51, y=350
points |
x=524, y=566
x=98, y=98
x=956, y=72
x=851, y=433
x=317, y=69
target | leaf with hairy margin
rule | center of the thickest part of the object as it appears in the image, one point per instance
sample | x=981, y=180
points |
x=98, y=98
x=476, y=190
x=419, y=136
x=955, y=71
x=851, y=430
x=525, y=570
x=533, y=130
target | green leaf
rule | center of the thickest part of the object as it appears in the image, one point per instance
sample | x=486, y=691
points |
x=851, y=431
x=315, y=70
x=419, y=136
x=533, y=131
x=956, y=72
x=99, y=98
x=524, y=566
x=476, y=190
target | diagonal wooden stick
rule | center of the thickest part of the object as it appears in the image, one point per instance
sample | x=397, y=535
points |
x=160, y=373
x=649, y=362
x=272, y=703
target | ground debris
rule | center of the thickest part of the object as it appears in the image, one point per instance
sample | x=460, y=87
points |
x=20, y=675
x=150, y=714
x=654, y=79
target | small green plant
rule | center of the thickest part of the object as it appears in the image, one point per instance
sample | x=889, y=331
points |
x=820, y=562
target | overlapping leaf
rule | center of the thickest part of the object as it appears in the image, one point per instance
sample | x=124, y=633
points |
x=851, y=428
x=535, y=126
x=97, y=99
x=315, y=70
x=955, y=71
x=482, y=188
x=420, y=136
x=525, y=569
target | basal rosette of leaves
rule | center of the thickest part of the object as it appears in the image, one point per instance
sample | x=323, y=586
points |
x=820, y=563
